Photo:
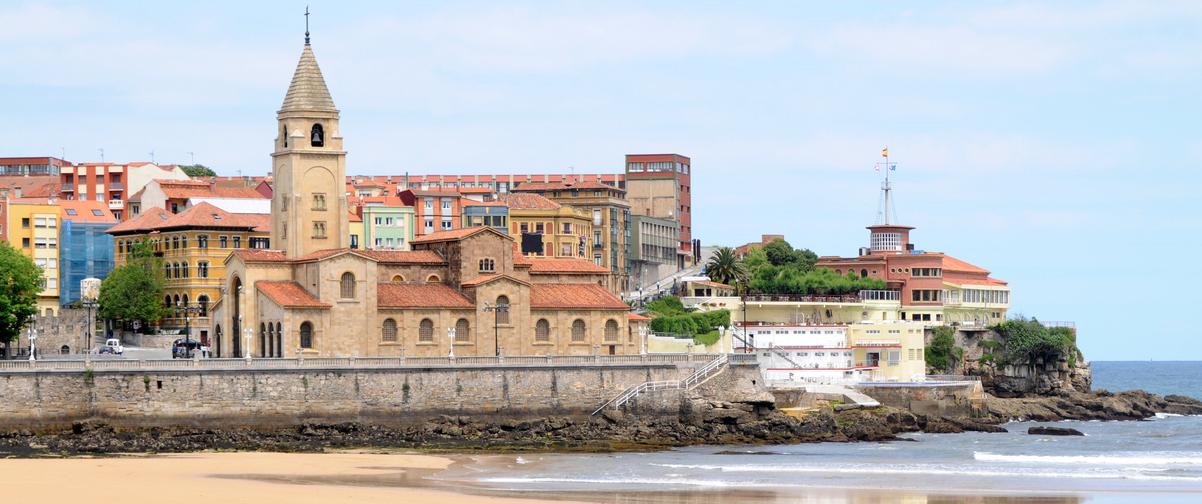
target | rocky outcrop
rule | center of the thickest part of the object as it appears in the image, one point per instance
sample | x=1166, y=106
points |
x=1019, y=380
x=1053, y=431
x=1099, y=405
x=701, y=422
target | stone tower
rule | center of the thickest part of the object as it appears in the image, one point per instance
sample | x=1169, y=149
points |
x=308, y=206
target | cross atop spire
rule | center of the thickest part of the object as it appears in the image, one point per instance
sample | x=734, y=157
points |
x=306, y=25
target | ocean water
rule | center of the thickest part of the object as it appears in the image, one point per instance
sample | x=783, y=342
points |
x=1166, y=377
x=1157, y=460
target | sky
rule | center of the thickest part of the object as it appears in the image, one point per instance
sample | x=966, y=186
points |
x=1057, y=144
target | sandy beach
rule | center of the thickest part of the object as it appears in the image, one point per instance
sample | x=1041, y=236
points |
x=233, y=478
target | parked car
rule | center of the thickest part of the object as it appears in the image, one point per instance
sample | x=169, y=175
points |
x=113, y=345
x=184, y=349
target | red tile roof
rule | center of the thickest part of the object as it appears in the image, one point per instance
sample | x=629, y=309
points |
x=150, y=219
x=952, y=264
x=289, y=295
x=635, y=316
x=574, y=296
x=203, y=215
x=86, y=210
x=563, y=186
x=483, y=279
x=551, y=265
x=183, y=189
x=404, y=295
x=404, y=256
x=531, y=201
x=976, y=281
x=456, y=235
x=322, y=254
x=260, y=255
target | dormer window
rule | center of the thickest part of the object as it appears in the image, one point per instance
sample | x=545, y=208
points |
x=317, y=138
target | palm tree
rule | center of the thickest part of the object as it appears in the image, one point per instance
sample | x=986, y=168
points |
x=725, y=268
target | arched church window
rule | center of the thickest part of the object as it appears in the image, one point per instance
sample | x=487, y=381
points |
x=318, y=136
x=348, y=285
x=306, y=335
x=425, y=330
x=578, y=330
x=463, y=331
x=611, y=330
x=389, y=330
x=502, y=309
x=542, y=330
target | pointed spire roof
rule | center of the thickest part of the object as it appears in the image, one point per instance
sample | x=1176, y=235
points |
x=308, y=90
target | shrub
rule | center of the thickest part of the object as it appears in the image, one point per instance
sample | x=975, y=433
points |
x=941, y=354
x=1027, y=341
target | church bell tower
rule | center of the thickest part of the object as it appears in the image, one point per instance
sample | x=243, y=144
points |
x=308, y=205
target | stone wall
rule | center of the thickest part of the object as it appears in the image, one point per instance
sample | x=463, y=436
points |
x=965, y=399
x=289, y=396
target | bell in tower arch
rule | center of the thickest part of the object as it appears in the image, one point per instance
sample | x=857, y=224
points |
x=317, y=138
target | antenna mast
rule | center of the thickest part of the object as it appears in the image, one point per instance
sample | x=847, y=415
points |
x=886, y=186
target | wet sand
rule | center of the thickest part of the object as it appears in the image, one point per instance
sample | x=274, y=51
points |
x=361, y=477
x=234, y=478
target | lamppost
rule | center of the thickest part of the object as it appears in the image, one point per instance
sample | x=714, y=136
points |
x=246, y=332
x=91, y=305
x=451, y=340
x=496, y=321
x=186, y=310
x=33, y=339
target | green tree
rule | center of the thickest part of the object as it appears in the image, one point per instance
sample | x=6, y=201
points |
x=723, y=267
x=20, y=282
x=198, y=170
x=941, y=355
x=134, y=291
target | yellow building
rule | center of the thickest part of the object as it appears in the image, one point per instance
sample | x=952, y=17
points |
x=610, y=214
x=32, y=227
x=566, y=231
x=894, y=349
x=193, y=245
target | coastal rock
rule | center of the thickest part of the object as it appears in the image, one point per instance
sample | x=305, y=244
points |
x=1053, y=431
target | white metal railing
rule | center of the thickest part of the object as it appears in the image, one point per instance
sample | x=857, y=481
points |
x=694, y=379
x=7, y=366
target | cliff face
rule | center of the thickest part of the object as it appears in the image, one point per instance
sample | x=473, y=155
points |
x=1054, y=377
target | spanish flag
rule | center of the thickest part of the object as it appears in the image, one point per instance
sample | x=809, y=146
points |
x=885, y=152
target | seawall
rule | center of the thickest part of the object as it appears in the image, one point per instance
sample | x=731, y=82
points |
x=257, y=397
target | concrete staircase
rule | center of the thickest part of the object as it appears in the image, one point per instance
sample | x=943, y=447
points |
x=701, y=375
x=852, y=396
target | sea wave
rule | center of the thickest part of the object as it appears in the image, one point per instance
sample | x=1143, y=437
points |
x=936, y=470
x=619, y=481
x=1142, y=459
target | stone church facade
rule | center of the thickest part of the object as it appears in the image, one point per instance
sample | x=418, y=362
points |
x=469, y=291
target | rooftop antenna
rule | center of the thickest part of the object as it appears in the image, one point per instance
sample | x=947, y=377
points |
x=192, y=156
x=883, y=213
x=101, y=154
x=306, y=25
x=152, y=157
x=64, y=153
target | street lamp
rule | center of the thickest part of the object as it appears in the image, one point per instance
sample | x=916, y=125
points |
x=91, y=305
x=246, y=337
x=33, y=338
x=451, y=339
x=496, y=321
x=186, y=309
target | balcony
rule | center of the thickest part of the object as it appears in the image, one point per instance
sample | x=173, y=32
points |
x=797, y=298
x=116, y=186
x=69, y=187
x=116, y=204
x=880, y=295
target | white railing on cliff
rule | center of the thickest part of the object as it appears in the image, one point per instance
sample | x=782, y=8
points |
x=713, y=367
x=9, y=366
